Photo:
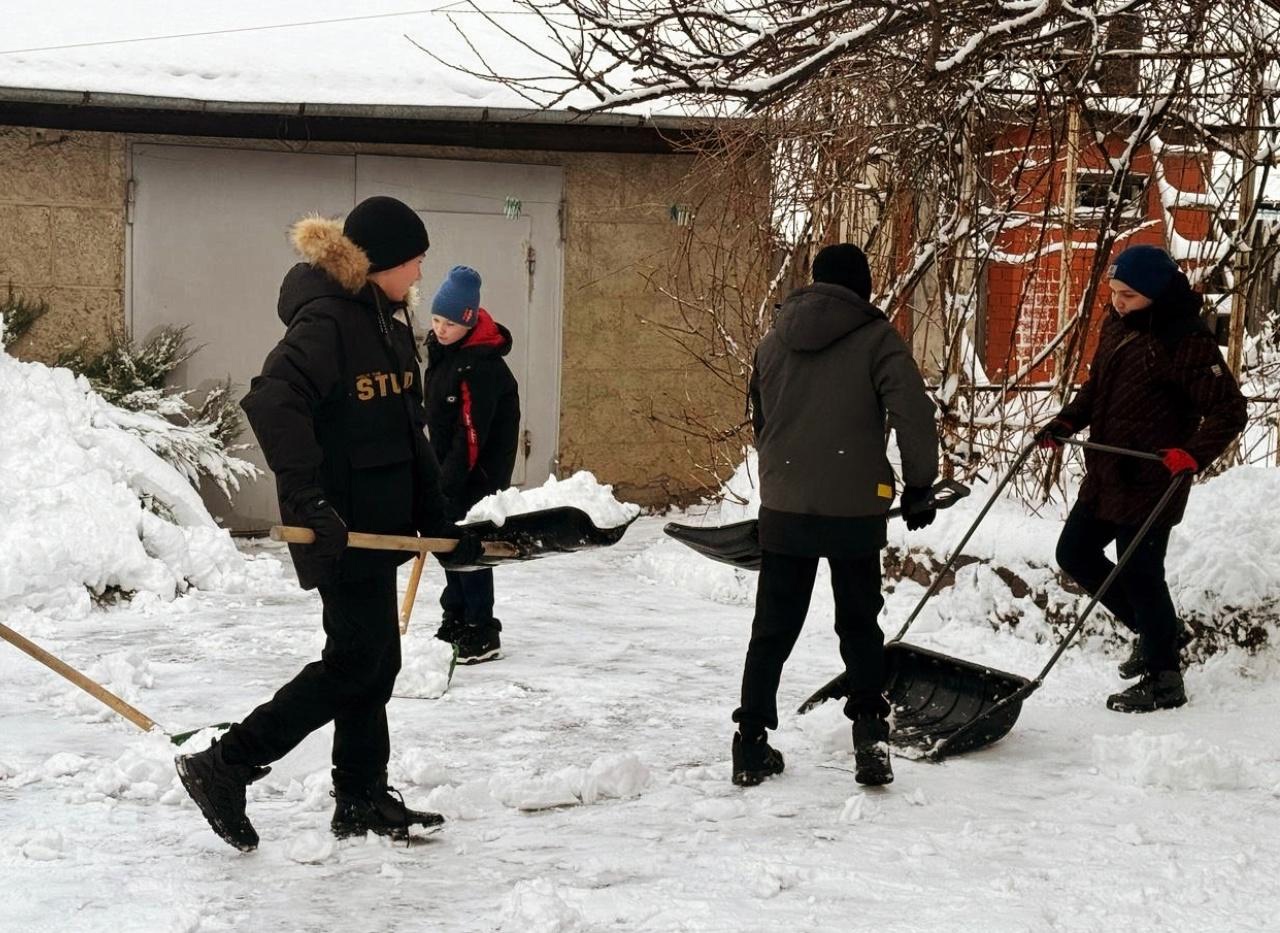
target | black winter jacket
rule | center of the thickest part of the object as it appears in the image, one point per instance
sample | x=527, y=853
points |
x=473, y=413
x=1157, y=380
x=338, y=407
x=828, y=378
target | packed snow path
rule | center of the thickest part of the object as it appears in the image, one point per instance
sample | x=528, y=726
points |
x=613, y=701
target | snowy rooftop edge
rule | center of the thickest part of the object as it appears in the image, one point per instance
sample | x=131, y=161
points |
x=447, y=112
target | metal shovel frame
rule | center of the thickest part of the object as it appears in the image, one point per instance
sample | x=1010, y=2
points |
x=951, y=706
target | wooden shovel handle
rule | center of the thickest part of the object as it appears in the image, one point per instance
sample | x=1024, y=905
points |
x=415, y=575
x=94, y=689
x=295, y=535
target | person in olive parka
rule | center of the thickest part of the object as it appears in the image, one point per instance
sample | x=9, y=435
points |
x=338, y=414
x=473, y=416
x=1157, y=383
x=828, y=377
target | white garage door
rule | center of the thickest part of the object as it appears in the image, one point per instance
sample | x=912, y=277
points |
x=208, y=248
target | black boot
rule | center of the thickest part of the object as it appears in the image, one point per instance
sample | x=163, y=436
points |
x=450, y=628
x=376, y=808
x=1163, y=690
x=1134, y=664
x=871, y=751
x=754, y=759
x=218, y=790
x=478, y=643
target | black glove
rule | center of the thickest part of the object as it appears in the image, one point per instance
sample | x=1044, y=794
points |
x=913, y=497
x=470, y=548
x=1049, y=437
x=312, y=510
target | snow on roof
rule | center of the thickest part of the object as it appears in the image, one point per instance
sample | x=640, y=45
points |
x=278, y=51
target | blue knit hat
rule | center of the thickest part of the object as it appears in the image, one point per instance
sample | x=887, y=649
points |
x=458, y=298
x=1148, y=270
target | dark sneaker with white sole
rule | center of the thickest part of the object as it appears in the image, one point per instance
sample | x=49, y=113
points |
x=478, y=643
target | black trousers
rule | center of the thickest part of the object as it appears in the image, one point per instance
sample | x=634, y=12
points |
x=782, y=602
x=1139, y=597
x=468, y=596
x=349, y=686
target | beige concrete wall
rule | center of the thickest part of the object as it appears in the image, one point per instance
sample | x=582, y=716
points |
x=62, y=201
x=618, y=371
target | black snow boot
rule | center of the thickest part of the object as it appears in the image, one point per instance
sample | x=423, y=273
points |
x=218, y=790
x=754, y=759
x=478, y=643
x=1134, y=665
x=377, y=809
x=871, y=751
x=1163, y=690
x=450, y=628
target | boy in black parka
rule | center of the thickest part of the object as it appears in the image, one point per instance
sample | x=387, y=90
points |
x=473, y=415
x=338, y=414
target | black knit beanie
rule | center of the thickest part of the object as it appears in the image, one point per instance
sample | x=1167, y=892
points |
x=843, y=264
x=389, y=231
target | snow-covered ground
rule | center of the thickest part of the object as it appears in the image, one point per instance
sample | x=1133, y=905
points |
x=586, y=777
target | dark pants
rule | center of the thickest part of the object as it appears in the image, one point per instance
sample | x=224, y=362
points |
x=468, y=597
x=1139, y=597
x=350, y=686
x=782, y=602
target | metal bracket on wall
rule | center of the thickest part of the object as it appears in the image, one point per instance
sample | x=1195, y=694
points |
x=130, y=199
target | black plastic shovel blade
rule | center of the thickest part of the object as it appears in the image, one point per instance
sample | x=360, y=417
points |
x=736, y=545
x=549, y=531
x=935, y=696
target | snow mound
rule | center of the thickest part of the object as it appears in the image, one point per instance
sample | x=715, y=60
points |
x=609, y=776
x=538, y=906
x=426, y=671
x=581, y=490
x=311, y=847
x=1174, y=762
x=82, y=497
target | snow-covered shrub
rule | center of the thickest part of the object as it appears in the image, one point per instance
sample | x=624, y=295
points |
x=198, y=442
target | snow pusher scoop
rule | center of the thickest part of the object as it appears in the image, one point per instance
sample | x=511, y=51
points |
x=738, y=545
x=944, y=706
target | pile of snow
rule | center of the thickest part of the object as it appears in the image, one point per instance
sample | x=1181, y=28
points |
x=82, y=499
x=1175, y=762
x=608, y=777
x=426, y=670
x=581, y=491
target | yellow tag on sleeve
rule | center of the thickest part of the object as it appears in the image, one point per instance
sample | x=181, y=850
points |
x=884, y=491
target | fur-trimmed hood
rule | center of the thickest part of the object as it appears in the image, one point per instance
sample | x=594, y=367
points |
x=334, y=267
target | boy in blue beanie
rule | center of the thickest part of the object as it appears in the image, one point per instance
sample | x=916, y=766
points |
x=473, y=416
x=1157, y=383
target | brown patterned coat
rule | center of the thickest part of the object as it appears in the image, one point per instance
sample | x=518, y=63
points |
x=1157, y=381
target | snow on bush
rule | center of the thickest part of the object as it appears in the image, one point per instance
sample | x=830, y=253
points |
x=581, y=490
x=88, y=507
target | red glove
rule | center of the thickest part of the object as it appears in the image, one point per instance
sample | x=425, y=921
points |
x=1177, y=460
x=1048, y=437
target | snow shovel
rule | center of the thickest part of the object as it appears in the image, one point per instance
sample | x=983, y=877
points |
x=738, y=544
x=521, y=537
x=93, y=688
x=945, y=706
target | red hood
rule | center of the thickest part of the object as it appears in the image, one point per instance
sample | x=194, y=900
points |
x=486, y=332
